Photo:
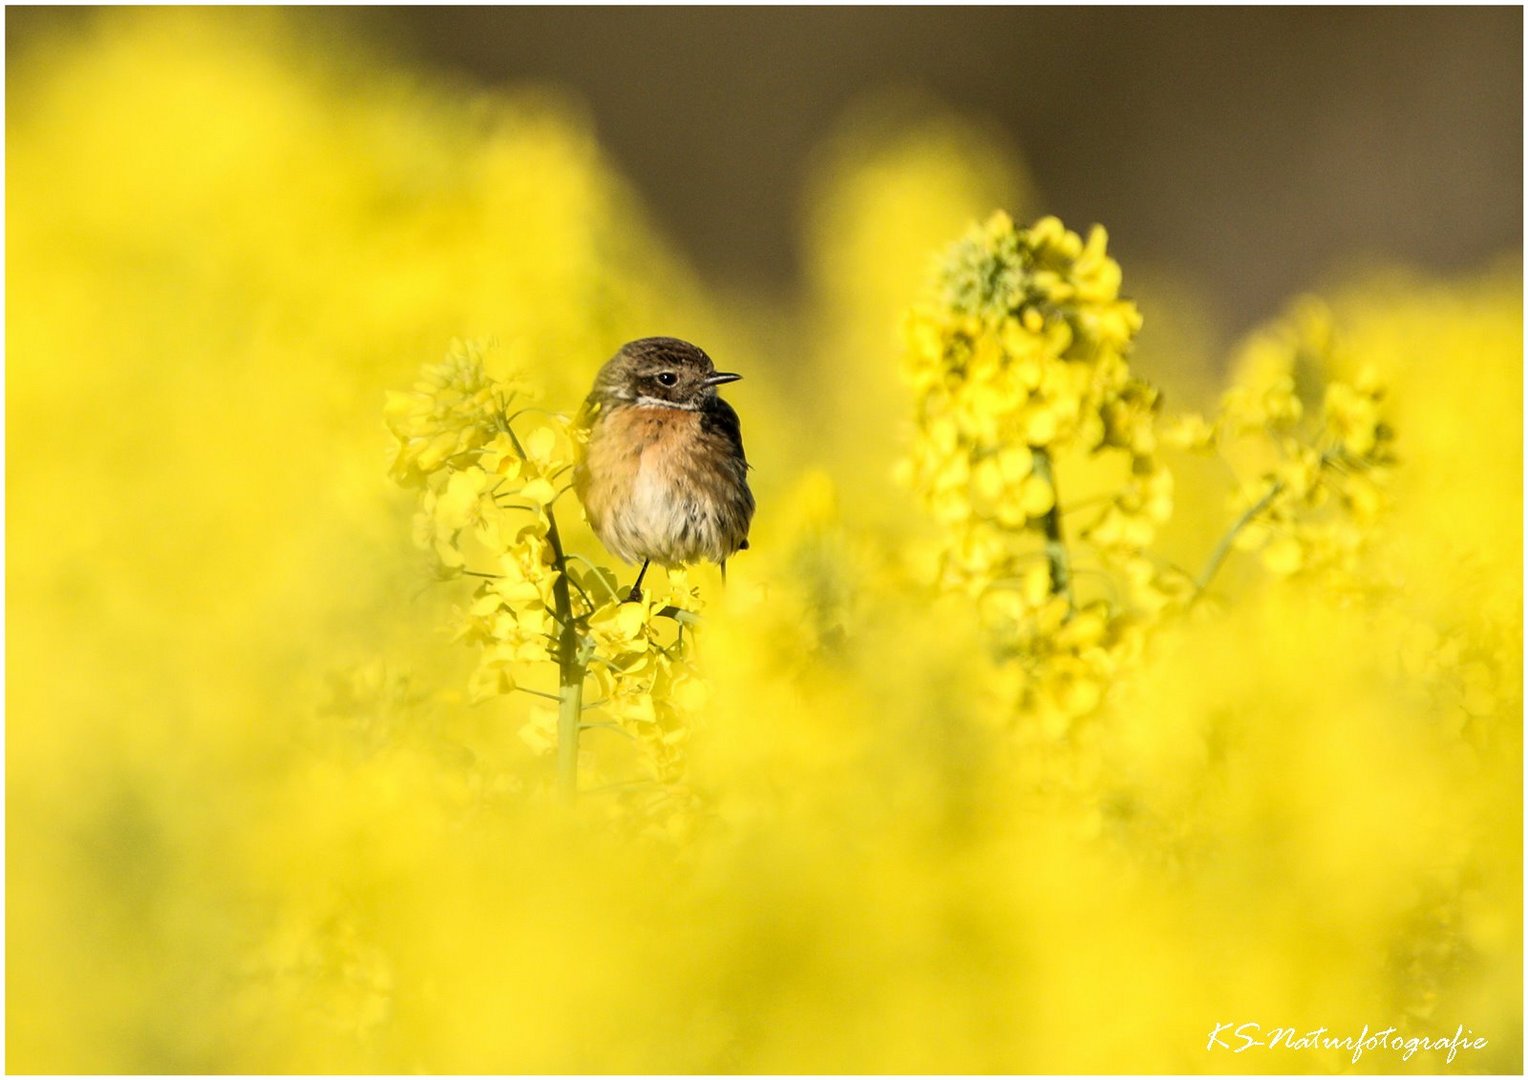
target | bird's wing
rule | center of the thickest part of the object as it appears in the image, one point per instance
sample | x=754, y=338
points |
x=719, y=418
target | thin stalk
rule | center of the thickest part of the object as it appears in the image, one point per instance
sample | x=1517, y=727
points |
x=572, y=661
x=1223, y=549
x=1333, y=456
x=1055, y=542
x=599, y=573
x=570, y=667
x=539, y=693
x=679, y=615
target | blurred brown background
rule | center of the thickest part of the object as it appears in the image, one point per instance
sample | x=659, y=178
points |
x=1250, y=150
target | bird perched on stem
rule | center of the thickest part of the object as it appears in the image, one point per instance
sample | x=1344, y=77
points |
x=662, y=476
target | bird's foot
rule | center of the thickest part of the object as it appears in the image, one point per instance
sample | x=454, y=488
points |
x=635, y=596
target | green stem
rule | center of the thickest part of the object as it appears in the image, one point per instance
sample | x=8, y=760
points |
x=679, y=615
x=1223, y=549
x=572, y=661
x=1332, y=456
x=1055, y=543
x=570, y=668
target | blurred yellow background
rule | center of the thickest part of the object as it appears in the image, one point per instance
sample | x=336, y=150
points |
x=255, y=824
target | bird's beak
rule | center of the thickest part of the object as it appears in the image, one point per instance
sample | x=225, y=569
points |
x=720, y=377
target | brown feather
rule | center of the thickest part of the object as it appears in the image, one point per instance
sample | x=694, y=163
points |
x=659, y=483
x=663, y=476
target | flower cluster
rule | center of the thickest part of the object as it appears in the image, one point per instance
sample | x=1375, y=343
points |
x=1019, y=366
x=1019, y=361
x=489, y=477
x=1317, y=446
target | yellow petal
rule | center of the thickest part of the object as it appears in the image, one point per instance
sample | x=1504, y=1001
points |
x=1036, y=497
x=539, y=491
x=541, y=445
x=1284, y=556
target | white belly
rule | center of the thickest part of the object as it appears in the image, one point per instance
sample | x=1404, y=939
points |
x=662, y=519
x=654, y=510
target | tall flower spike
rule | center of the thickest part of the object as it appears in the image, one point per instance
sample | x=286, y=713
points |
x=1018, y=358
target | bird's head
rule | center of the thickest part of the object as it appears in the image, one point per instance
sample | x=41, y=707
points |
x=660, y=371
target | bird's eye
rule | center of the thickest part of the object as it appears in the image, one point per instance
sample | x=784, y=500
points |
x=667, y=378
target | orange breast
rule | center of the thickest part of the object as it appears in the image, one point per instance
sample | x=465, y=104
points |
x=656, y=486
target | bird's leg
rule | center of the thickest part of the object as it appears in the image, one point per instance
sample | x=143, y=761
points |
x=635, y=596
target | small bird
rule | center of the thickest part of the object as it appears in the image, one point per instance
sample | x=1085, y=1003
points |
x=662, y=476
